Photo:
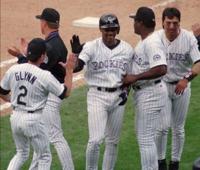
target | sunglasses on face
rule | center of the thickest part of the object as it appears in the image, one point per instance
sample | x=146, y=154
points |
x=110, y=29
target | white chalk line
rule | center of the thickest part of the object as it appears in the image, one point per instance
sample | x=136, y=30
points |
x=14, y=60
x=76, y=78
x=163, y=3
x=7, y=62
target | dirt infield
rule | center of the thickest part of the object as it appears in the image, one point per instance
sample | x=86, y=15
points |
x=18, y=18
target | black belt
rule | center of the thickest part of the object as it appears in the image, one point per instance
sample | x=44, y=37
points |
x=105, y=89
x=28, y=111
x=173, y=82
x=31, y=111
x=140, y=87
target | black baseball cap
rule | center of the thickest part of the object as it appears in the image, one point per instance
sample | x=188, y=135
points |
x=144, y=14
x=50, y=15
x=36, y=48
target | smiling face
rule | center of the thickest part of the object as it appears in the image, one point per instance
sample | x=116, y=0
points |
x=108, y=35
x=171, y=18
x=171, y=27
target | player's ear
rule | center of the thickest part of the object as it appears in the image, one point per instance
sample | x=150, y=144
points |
x=42, y=57
x=163, y=23
x=118, y=30
x=101, y=30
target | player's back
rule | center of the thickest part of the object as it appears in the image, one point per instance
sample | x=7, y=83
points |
x=28, y=84
x=56, y=52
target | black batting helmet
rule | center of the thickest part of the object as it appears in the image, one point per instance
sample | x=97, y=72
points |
x=108, y=21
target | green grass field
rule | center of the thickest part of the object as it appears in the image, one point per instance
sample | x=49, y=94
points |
x=74, y=123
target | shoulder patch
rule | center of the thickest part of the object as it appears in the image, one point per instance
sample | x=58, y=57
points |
x=156, y=57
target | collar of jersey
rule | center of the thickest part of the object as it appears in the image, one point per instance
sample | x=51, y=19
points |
x=52, y=35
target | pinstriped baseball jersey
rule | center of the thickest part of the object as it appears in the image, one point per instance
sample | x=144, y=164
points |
x=105, y=67
x=148, y=54
x=181, y=54
x=30, y=86
x=150, y=100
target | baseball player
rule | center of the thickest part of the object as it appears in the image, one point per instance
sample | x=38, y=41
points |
x=56, y=52
x=150, y=93
x=196, y=32
x=183, y=59
x=107, y=60
x=30, y=86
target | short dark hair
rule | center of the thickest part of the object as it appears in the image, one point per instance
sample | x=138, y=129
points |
x=52, y=25
x=146, y=16
x=36, y=47
x=149, y=24
x=171, y=12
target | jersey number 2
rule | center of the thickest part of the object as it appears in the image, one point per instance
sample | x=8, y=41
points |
x=23, y=93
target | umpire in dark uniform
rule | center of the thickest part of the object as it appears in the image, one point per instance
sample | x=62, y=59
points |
x=56, y=52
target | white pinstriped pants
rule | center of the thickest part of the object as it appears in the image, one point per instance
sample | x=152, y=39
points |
x=29, y=128
x=53, y=122
x=105, y=118
x=149, y=101
x=175, y=113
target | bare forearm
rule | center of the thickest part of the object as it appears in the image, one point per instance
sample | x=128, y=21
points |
x=69, y=67
x=153, y=73
x=68, y=81
x=5, y=97
x=196, y=68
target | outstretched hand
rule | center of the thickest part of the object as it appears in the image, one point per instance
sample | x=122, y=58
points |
x=24, y=45
x=71, y=62
x=15, y=51
x=76, y=45
x=196, y=29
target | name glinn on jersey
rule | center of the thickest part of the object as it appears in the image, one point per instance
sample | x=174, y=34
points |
x=30, y=86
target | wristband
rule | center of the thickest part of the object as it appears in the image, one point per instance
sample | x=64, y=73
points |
x=188, y=76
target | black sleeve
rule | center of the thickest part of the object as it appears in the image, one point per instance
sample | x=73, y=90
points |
x=22, y=59
x=197, y=61
x=79, y=66
x=62, y=96
x=3, y=91
x=53, y=58
x=198, y=40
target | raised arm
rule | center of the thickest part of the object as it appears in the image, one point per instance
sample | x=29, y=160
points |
x=77, y=47
x=71, y=62
x=153, y=73
x=196, y=32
